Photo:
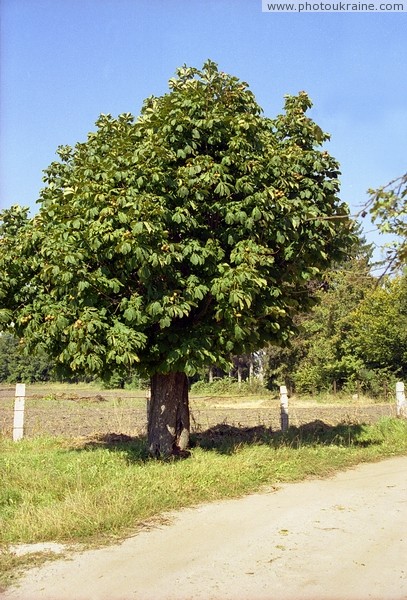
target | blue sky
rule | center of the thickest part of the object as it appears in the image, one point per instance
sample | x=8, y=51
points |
x=63, y=62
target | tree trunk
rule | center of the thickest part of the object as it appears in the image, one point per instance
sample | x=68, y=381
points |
x=239, y=371
x=168, y=415
x=261, y=359
x=251, y=368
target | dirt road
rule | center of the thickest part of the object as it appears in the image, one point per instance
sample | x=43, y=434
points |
x=338, y=539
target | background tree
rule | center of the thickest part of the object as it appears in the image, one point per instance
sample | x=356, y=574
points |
x=177, y=240
x=316, y=356
x=326, y=355
x=388, y=207
x=17, y=367
x=377, y=328
x=355, y=336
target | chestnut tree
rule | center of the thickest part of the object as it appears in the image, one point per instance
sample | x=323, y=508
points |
x=175, y=240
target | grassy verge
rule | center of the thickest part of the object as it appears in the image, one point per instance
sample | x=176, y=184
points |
x=100, y=489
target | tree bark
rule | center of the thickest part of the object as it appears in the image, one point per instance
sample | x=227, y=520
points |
x=261, y=357
x=239, y=371
x=251, y=368
x=168, y=415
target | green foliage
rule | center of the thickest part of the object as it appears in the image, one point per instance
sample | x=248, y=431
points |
x=388, y=208
x=17, y=367
x=176, y=239
x=325, y=330
x=133, y=381
x=355, y=335
x=228, y=386
x=378, y=327
x=314, y=358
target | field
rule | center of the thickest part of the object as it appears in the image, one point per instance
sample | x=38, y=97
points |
x=84, y=410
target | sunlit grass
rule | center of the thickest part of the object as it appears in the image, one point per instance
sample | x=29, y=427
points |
x=53, y=489
x=340, y=398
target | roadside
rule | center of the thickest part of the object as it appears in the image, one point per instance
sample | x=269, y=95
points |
x=343, y=538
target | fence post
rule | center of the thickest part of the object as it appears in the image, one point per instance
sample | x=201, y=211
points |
x=18, y=426
x=284, y=407
x=148, y=402
x=401, y=406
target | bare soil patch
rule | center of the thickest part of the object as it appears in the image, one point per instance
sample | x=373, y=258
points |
x=85, y=412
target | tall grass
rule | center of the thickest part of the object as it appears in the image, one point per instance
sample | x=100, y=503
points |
x=53, y=489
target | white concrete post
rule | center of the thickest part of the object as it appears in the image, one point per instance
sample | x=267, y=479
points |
x=148, y=403
x=18, y=426
x=401, y=405
x=284, y=407
x=261, y=360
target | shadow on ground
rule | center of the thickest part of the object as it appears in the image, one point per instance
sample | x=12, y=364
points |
x=226, y=439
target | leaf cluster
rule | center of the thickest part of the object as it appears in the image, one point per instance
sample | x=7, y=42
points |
x=15, y=367
x=388, y=208
x=355, y=336
x=178, y=238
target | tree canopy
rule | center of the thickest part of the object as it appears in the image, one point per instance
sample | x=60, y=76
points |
x=178, y=238
x=388, y=208
x=16, y=367
x=354, y=339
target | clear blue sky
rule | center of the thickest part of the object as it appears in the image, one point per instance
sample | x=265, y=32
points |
x=63, y=62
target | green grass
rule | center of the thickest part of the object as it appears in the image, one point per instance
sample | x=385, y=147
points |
x=77, y=491
x=229, y=387
x=342, y=398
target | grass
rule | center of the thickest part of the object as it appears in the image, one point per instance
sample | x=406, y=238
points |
x=341, y=398
x=11, y=565
x=100, y=489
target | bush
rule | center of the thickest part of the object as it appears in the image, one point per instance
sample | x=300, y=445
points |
x=228, y=386
x=17, y=367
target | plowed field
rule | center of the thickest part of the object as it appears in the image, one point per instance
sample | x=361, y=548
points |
x=85, y=412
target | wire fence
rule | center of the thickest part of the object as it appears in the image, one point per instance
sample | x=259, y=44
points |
x=85, y=414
